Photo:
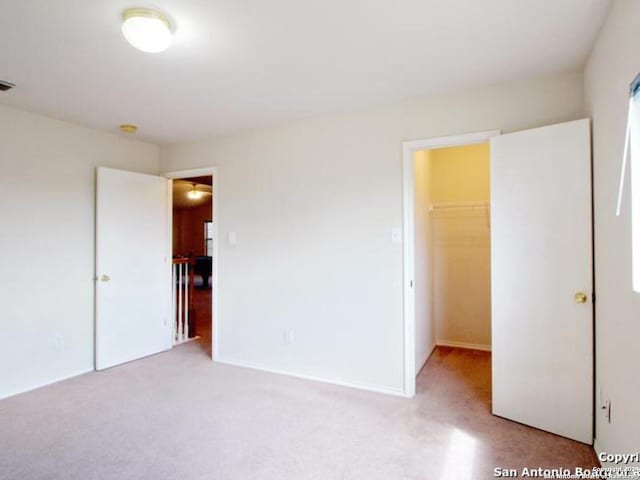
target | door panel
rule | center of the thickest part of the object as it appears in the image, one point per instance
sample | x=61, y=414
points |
x=541, y=242
x=133, y=274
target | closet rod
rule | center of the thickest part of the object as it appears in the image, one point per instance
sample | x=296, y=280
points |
x=458, y=205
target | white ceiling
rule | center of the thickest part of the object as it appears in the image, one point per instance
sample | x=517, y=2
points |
x=238, y=64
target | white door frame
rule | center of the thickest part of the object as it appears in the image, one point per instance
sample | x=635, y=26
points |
x=408, y=235
x=200, y=172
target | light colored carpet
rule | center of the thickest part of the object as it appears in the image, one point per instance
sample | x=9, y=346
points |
x=178, y=416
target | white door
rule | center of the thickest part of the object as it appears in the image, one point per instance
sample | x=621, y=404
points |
x=542, y=336
x=133, y=284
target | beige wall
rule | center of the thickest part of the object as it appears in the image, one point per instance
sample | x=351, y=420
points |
x=313, y=204
x=423, y=288
x=460, y=174
x=461, y=247
x=47, y=243
x=613, y=64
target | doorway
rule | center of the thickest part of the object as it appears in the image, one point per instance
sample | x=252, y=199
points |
x=194, y=248
x=541, y=273
x=452, y=281
x=427, y=205
x=136, y=294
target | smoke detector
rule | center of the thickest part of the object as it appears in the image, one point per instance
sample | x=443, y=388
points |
x=128, y=128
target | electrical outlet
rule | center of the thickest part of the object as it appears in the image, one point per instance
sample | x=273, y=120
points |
x=288, y=337
x=606, y=409
x=58, y=340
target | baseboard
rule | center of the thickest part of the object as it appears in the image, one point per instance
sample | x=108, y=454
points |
x=44, y=384
x=341, y=383
x=468, y=346
x=598, y=450
x=424, y=361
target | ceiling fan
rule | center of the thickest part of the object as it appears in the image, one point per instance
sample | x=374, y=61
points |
x=197, y=193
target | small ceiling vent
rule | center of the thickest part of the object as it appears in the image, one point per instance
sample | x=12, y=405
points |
x=4, y=86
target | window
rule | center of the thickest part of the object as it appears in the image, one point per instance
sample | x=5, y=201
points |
x=632, y=153
x=208, y=238
x=634, y=139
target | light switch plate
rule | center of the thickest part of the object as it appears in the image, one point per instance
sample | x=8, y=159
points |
x=233, y=240
x=288, y=337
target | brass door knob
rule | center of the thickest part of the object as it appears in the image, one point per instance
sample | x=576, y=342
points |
x=580, y=297
x=105, y=278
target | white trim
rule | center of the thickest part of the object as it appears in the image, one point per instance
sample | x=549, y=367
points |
x=426, y=358
x=342, y=383
x=49, y=382
x=192, y=172
x=199, y=172
x=170, y=316
x=466, y=346
x=450, y=141
x=408, y=149
x=598, y=450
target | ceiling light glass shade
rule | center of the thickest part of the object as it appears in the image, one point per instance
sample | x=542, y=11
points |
x=146, y=30
x=194, y=194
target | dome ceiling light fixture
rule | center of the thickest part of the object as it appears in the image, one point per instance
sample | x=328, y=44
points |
x=146, y=29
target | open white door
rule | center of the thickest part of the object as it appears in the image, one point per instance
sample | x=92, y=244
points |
x=133, y=284
x=542, y=317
